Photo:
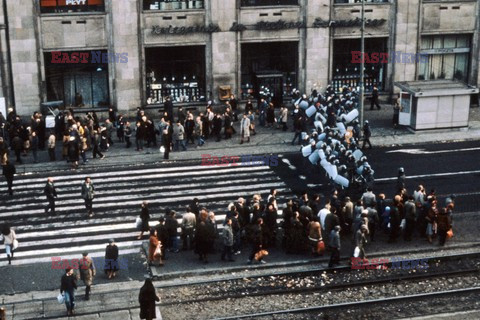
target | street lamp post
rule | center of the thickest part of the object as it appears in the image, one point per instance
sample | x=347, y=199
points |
x=362, y=64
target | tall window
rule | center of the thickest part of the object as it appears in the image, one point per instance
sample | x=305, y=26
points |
x=448, y=57
x=65, y=6
x=172, y=4
x=346, y=69
x=178, y=72
x=88, y=80
x=251, y=3
x=269, y=70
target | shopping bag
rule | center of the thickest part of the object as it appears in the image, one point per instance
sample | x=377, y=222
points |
x=403, y=224
x=320, y=247
x=162, y=149
x=158, y=252
x=61, y=298
x=450, y=234
x=15, y=244
x=356, y=252
x=260, y=254
x=138, y=223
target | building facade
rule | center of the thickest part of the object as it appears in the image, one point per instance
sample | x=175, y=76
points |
x=129, y=52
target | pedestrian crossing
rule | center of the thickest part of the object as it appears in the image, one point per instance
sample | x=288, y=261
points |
x=119, y=193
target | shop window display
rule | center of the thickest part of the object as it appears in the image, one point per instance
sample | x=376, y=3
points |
x=173, y=4
x=178, y=72
x=269, y=70
x=346, y=71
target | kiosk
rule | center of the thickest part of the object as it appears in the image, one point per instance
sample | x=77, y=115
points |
x=434, y=104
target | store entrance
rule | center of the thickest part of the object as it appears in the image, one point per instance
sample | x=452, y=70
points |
x=269, y=69
x=270, y=86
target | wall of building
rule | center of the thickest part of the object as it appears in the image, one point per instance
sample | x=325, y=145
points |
x=125, y=28
x=24, y=55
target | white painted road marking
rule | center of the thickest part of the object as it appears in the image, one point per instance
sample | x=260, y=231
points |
x=423, y=151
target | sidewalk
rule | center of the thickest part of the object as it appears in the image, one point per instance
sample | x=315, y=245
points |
x=119, y=300
x=266, y=141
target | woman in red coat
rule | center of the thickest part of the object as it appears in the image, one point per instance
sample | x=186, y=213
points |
x=154, y=244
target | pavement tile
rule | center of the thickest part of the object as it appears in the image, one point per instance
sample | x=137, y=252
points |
x=32, y=309
x=20, y=297
x=89, y=316
x=124, y=314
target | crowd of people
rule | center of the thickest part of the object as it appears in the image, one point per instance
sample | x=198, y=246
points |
x=310, y=224
x=79, y=134
x=326, y=124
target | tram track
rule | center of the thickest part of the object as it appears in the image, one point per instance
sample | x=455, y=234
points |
x=268, y=293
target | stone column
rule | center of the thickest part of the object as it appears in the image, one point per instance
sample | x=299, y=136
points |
x=407, y=36
x=24, y=55
x=224, y=46
x=127, y=84
x=317, y=43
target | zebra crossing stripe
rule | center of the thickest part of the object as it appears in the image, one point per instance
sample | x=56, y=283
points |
x=168, y=171
x=215, y=186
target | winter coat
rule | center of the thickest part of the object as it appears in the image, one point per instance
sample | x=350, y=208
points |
x=178, y=132
x=9, y=171
x=147, y=300
x=51, y=141
x=73, y=151
x=198, y=128
x=111, y=257
x=227, y=235
x=50, y=191
x=443, y=223
x=152, y=247
x=245, y=127
x=87, y=271
x=284, y=115
x=68, y=283
x=334, y=240
x=88, y=191
x=410, y=210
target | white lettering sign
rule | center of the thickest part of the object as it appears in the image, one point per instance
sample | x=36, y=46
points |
x=76, y=2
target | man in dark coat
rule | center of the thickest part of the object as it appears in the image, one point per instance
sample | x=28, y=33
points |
x=88, y=193
x=17, y=146
x=171, y=224
x=51, y=194
x=169, y=108
x=162, y=234
x=257, y=240
x=9, y=171
x=111, y=259
x=410, y=211
x=217, y=126
x=367, y=133
x=67, y=287
x=375, y=99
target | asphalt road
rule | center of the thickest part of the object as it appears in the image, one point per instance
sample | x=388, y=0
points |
x=450, y=168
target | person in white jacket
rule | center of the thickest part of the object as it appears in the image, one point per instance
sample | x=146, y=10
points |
x=9, y=238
